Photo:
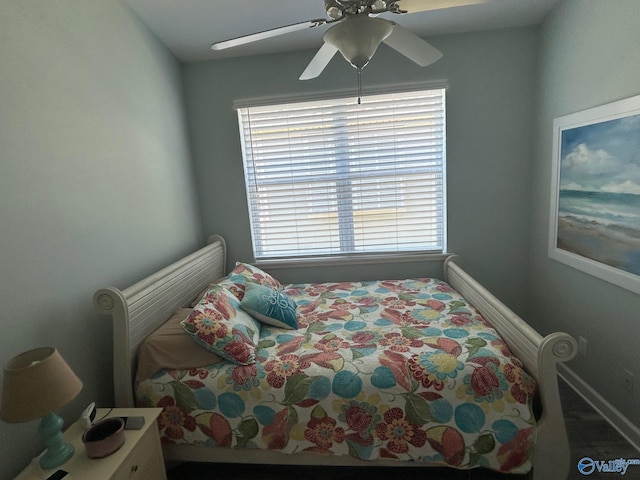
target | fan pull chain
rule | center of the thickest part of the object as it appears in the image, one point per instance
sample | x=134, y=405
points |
x=359, y=70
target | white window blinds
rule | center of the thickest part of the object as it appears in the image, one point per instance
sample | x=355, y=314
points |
x=332, y=177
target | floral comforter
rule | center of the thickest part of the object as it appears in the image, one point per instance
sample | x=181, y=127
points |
x=402, y=369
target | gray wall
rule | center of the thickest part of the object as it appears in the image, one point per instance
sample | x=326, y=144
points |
x=95, y=183
x=589, y=56
x=491, y=95
x=96, y=188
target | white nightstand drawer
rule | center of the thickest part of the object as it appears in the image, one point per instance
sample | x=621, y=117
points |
x=145, y=462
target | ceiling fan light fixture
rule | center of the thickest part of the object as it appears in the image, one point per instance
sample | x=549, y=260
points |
x=357, y=38
x=379, y=6
x=334, y=12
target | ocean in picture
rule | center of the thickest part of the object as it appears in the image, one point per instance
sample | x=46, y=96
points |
x=601, y=226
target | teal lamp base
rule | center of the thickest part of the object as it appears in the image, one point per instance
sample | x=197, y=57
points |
x=58, y=452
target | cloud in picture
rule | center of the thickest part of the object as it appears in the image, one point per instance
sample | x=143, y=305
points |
x=602, y=157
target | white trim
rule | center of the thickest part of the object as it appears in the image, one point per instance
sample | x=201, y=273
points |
x=330, y=261
x=611, y=414
x=338, y=93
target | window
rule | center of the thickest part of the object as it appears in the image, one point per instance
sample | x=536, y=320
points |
x=334, y=177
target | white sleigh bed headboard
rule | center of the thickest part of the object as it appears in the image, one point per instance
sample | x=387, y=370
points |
x=144, y=306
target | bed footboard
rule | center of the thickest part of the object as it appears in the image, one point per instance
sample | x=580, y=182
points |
x=540, y=356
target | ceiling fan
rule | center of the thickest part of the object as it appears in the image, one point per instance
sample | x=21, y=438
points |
x=357, y=32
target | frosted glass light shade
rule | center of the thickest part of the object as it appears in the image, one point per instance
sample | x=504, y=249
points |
x=358, y=37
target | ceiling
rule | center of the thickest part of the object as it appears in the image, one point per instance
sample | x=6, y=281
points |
x=189, y=27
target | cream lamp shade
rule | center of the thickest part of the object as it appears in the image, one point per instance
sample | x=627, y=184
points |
x=36, y=384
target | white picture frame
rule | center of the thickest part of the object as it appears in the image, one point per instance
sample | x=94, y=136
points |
x=595, y=194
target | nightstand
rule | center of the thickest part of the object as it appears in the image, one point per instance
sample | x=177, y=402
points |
x=139, y=458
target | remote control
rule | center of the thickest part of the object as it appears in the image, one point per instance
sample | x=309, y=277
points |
x=58, y=475
x=133, y=423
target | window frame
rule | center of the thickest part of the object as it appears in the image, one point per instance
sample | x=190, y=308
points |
x=408, y=255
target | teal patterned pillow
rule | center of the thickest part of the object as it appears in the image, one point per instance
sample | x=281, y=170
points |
x=270, y=306
x=219, y=325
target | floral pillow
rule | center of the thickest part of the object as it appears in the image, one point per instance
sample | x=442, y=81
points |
x=270, y=306
x=235, y=283
x=253, y=274
x=222, y=327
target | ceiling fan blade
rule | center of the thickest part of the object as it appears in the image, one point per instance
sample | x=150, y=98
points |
x=319, y=62
x=274, y=32
x=414, y=6
x=412, y=46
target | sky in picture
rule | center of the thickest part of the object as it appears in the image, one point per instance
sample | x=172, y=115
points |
x=602, y=157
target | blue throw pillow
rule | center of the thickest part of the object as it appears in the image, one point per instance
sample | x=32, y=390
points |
x=269, y=306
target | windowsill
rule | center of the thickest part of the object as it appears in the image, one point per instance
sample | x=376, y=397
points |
x=351, y=260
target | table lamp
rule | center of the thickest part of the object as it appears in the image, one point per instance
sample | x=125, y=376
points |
x=36, y=384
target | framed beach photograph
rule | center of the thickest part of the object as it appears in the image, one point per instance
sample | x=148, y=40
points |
x=595, y=195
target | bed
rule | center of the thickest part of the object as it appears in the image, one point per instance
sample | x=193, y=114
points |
x=415, y=372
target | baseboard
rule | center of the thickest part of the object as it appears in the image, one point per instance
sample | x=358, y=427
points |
x=617, y=420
